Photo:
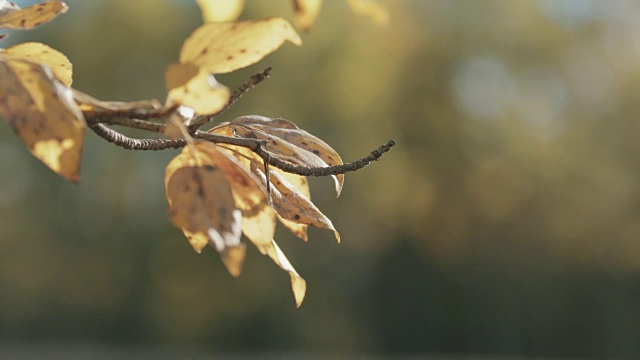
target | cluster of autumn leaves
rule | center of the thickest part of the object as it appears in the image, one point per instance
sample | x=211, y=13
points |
x=216, y=192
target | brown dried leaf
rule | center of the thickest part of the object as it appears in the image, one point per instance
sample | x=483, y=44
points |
x=44, y=55
x=43, y=114
x=289, y=143
x=201, y=204
x=88, y=103
x=306, y=12
x=220, y=10
x=195, y=88
x=370, y=9
x=13, y=17
x=220, y=48
x=301, y=184
x=291, y=204
x=298, y=284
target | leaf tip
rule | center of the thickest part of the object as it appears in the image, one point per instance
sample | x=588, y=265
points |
x=233, y=259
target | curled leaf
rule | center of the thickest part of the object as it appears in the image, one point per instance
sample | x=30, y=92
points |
x=13, y=17
x=43, y=113
x=202, y=205
x=44, y=55
x=220, y=10
x=88, y=103
x=289, y=143
x=291, y=205
x=301, y=184
x=306, y=12
x=298, y=284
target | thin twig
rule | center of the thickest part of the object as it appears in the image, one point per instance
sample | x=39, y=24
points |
x=254, y=80
x=130, y=143
x=326, y=171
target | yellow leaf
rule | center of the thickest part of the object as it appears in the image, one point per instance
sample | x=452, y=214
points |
x=220, y=48
x=202, y=205
x=12, y=17
x=233, y=258
x=258, y=218
x=43, y=114
x=220, y=10
x=44, y=55
x=306, y=12
x=370, y=9
x=197, y=89
x=298, y=284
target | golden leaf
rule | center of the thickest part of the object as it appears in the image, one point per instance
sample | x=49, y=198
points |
x=370, y=9
x=13, y=17
x=289, y=143
x=197, y=89
x=224, y=47
x=306, y=12
x=44, y=55
x=218, y=48
x=43, y=114
x=202, y=205
x=258, y=218
x=298, y=284
x=220, y=10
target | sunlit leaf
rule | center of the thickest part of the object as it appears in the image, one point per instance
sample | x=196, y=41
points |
x=43, y=114
x=13, y=17
x=370, y=9
x=43, y=54
x=298, y=284
x=220, y=10
x=290, y=143
x=306, y=12
x=202, y=205
x=258, y=218
x=197, y=89
x=224, y=47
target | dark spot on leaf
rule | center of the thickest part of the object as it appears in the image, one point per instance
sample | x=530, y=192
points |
x=204, y=51
x=296, y=216
x=209, y=168
x=304, y=143
x=316, y=152
x=242, y=51
x=230, y=57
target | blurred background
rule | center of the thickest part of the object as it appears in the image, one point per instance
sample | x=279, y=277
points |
x=504, y=224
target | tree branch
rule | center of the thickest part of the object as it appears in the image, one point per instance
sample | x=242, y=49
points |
x=255, y=145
